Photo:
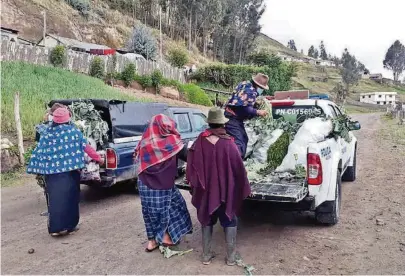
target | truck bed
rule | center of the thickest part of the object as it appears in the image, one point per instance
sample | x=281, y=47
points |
x=280, y=191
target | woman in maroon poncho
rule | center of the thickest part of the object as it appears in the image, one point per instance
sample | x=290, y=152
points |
x=219, y=183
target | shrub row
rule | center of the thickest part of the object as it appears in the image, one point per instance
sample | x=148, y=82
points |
x=193, y=93
x=230, y=75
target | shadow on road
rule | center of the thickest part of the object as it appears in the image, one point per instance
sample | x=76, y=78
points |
x=255, y=213
x=90, y=194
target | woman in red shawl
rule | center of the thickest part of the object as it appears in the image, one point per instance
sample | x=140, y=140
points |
x=218, y=182
x=164, y=210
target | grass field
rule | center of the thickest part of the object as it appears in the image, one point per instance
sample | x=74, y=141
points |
x=38, y=85
x=393, y=131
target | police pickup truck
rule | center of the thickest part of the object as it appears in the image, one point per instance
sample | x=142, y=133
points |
x=328, y=163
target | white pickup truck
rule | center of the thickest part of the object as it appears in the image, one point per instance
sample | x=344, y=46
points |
x=328, y=163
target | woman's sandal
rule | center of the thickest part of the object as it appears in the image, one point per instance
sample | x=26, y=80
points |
x=147, y=250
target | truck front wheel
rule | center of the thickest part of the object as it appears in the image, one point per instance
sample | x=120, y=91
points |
x=328, y=213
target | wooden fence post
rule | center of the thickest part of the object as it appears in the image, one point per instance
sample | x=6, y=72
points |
x=18, y=127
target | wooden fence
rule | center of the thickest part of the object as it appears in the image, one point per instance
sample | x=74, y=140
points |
x=80, y=62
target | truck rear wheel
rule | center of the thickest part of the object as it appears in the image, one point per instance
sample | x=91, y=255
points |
x=350, y=173
x=328, y=213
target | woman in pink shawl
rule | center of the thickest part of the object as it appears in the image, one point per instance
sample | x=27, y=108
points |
x=219, y=183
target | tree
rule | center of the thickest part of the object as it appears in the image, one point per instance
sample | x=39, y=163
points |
x=351, y=72
x=143, y=42
x=395, y=59
x=311, y=51
x=291, y=45
x=263, y=58
x=323, y=54
x=302, y=51
x=336, y=61
x=316, y=54
x=178, y=57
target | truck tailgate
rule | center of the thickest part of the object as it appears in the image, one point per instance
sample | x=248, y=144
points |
x=279, y=192
x=267, y=191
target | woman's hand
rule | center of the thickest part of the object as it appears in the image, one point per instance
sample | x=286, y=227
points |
x=262, y=113
x=101, y=161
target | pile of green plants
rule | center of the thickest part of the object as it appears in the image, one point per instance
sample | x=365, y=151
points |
x=262, y=129
x=89, y=121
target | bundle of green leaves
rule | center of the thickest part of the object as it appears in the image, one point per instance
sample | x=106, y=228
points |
x=264, y=127
x=89, y=121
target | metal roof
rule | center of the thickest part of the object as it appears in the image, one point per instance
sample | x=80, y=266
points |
x=77, y=44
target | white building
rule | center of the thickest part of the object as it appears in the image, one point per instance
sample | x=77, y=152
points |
x=381, y=98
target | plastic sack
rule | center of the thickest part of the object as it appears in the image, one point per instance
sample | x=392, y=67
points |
x=253, y=137
x=260, y=150
x=312, y=131
x=91, y=172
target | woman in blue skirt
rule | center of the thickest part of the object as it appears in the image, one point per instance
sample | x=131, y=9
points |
x=58, y=157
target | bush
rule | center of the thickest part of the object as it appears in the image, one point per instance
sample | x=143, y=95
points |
x=178, y=57
x=145, y=81
x=195, y=94
x=58, y=56
x=143, y=42
x=128, y=74
x=230, y=75
x=97, y=68
x=83, y=6
x=263, y=58
x=156, y=78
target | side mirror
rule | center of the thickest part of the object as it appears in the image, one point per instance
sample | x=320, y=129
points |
x=354, y=125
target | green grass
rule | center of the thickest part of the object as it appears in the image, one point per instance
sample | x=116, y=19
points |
x=263, y=42
x=12, y=178
x=392, y=131
x=352, y=109
x=306, y=71
x=38, y=85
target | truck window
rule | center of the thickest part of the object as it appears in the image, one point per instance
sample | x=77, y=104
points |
x=183, y=122
x=200, y=121
x=295, y=114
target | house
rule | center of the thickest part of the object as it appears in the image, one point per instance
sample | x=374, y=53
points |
x=52, y=40
x=376, y=77
x=381, y=98
x=9, y=34
x=12, y=36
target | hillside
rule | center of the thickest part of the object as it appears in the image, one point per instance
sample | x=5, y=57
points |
x=110, y=27
x=310, y=77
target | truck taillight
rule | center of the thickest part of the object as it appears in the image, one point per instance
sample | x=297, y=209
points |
x=111, y=156
x=314, y=168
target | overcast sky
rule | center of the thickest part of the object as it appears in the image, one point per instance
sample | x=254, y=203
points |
x=366, y=28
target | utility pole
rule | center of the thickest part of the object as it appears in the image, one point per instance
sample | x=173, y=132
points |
x=44, y=29
x=160, y=27
x=133, y=11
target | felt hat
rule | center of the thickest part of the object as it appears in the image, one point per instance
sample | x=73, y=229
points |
x=261, y=80
x=216, y=116
x=61, y=115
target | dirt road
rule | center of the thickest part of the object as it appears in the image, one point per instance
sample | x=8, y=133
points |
x=111, y=238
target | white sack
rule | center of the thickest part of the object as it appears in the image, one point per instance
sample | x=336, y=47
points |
x=260, y=150
x=312, y=131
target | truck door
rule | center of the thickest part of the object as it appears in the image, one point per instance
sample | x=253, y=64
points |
x=344, y=146
x=184, y=126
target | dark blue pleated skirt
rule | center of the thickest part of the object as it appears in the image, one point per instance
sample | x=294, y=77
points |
x=63, y=194
x=236, y=129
